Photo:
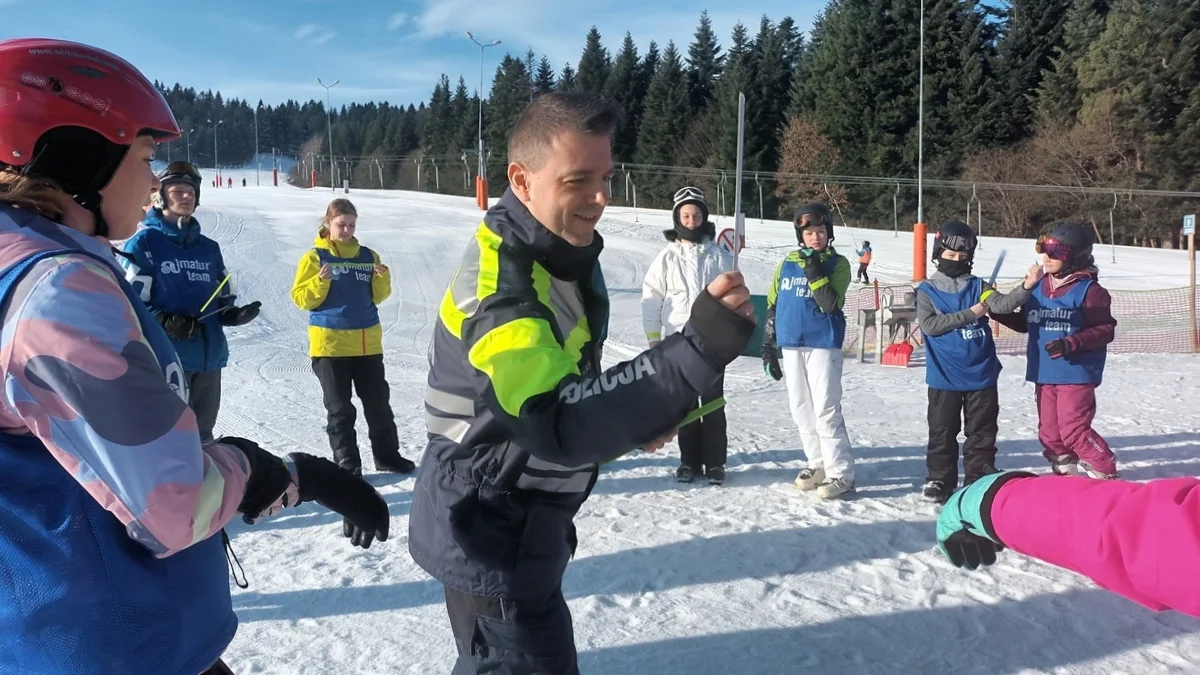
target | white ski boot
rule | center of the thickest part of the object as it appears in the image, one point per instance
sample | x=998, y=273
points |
x=835, y=488
x=809, y=479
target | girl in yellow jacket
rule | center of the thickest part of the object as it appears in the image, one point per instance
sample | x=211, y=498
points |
x=341, y=284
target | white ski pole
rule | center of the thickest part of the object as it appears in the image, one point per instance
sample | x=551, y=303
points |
x=739, y=221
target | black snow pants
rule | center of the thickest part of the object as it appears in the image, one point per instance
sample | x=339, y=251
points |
x=974, y=412
x=339, y=375
x=703, y=444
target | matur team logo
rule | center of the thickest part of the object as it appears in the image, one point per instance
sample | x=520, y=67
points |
x=169, y=267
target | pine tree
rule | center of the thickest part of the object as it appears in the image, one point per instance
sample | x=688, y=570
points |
x=594, y=65
x=1034, y=34
x=544, y=80
x=704, y=65
x=530, y=69
x=566, y=79
x=508, y=98
x=663, y=126
x=738, y=78
x=622, y=89
x=1058, y=95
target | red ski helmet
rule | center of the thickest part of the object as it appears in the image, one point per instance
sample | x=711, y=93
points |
x=69, y=112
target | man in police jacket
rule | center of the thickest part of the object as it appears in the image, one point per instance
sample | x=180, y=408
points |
x=518, y=409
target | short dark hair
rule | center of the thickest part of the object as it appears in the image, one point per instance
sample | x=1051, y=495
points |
x=555, y=112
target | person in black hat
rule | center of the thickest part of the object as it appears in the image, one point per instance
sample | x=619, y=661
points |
x=680, y=273
x=181, y=277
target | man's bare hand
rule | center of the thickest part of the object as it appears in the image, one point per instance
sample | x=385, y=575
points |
x=660, y=442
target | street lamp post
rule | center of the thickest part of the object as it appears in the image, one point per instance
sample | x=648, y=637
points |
x=216, y=163
x=257, y=157
x=481, y=193
x=188, y=140
x=329, y=126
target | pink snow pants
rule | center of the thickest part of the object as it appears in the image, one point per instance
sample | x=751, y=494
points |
x=1065, y=414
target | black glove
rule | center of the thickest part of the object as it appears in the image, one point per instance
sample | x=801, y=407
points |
x=340, y=491
x=770, y=359
x=1058, y=348
x=723, y=332
x=269, y=478
x=812, y=266
x=178, y=326
x=239, y=316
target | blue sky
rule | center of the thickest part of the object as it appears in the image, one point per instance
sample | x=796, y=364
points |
x=381, y=50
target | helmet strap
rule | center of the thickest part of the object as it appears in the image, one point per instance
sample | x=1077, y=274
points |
x=91, y=202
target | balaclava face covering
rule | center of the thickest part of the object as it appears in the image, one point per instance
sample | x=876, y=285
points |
x=954, y=268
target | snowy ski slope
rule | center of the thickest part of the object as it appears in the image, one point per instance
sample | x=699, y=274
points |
x=752, y=577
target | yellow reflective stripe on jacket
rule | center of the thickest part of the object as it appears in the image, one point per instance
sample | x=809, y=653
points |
x=520, y=355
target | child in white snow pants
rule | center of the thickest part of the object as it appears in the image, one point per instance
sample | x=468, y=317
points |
x=805, y=319
x=814, y=384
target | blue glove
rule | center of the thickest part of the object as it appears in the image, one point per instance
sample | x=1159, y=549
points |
x=964, y=527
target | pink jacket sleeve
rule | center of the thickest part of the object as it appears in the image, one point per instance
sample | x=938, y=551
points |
x=1140, y=540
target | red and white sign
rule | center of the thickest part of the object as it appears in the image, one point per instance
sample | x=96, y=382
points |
x=726, y=240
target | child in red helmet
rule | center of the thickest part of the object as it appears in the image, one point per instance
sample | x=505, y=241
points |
x=109, y=502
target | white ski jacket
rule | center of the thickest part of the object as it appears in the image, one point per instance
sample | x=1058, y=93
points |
x=678, y=275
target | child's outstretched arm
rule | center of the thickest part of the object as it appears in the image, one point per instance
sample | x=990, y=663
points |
x=1101, y=327
x=935, y=324
x=1140, y=540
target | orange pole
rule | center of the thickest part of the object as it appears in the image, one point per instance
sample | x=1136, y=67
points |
x=919, y=245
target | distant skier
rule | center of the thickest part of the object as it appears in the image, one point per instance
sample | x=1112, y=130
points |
x=805, y=319
x=243, y=182
x=678, y=275
x=341, y=283
x=1138, y=540
x=110, y=505
x=518, y=409
x=962, y=368
x=1070, y=324
x=864, y=259
x=181, y=276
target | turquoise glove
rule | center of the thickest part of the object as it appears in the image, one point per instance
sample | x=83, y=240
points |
x=964, y=527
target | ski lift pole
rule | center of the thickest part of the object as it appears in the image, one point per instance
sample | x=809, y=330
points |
x=738, y=220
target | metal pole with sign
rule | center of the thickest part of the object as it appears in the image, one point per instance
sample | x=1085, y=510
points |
x=1189, y=228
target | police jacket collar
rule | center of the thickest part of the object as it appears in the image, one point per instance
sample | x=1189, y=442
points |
x=518, y=227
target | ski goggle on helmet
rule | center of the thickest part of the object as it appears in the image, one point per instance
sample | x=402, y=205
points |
x=687, y=194
x=181, y=170
x=1053, y=248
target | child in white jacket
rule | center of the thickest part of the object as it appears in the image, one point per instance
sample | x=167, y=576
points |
x=674, y=280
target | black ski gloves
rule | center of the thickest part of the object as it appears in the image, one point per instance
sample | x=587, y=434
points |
x=240, y=316
x=269, y=479
x=812, y=266
x=179, y=326
x=770, y=355
x=342, y=492
x=723, y=332
x=319, y=480
x=1058, y=348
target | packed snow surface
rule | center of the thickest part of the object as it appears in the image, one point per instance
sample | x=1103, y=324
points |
x=750, y=577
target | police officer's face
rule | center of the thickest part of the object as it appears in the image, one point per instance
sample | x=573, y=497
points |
x=569, y=192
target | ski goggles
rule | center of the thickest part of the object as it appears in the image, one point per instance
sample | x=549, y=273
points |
x=956, y=242
x=688, y=194
x=181, y=169
x=1053, y=248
